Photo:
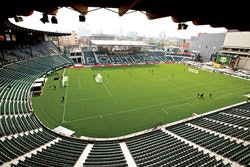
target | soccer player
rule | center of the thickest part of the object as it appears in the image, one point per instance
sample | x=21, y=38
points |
x=62, y=99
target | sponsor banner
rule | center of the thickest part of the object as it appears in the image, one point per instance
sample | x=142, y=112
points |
x=223, y=59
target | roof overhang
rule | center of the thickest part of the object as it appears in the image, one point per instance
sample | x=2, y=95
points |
x=228, y=15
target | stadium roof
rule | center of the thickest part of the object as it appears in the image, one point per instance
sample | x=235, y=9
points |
x=231, y=15
x=8, y=25
x=118, y=43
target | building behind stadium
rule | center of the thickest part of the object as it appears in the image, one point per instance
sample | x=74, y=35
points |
x=232, y=47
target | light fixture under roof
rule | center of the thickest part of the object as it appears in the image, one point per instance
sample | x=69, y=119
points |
x=82, y=18
x=18, y=19
x=54, y=20
x=182, y=26
x=45, y=18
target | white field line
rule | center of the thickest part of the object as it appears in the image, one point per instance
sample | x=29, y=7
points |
x=165, y=111
x=92, y=98
x=138, y=108
x=129, y=110
x=79, y=85
x=107, y=88
x=181, y=88
x=65, y=102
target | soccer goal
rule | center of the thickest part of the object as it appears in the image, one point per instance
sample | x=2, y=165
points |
x=65, y=80
x=98, y=78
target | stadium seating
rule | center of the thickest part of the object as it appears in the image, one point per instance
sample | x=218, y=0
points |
x=107, y=153
x=102, y=57
x=217, y=139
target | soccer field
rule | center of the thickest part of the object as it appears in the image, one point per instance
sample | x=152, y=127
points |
x=133, y=98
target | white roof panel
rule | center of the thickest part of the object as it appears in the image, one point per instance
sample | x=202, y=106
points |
x=40, y=80
x=118, y=43
x=63, y=130
x=38, y=84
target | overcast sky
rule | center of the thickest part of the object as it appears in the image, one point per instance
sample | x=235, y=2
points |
x=109, y=22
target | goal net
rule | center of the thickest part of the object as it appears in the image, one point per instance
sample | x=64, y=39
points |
x=98, y=78
x=65, y=80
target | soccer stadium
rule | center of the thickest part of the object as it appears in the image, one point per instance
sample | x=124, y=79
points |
x=120, y=104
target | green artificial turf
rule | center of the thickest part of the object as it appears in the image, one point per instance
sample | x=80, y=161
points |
x=133, y=98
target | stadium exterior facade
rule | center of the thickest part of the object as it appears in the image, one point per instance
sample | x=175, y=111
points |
x=234, y=45
x=206, y=44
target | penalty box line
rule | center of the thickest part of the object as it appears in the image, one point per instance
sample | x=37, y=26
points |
x=92, y=98
x=64, y=107
x=134, y=109
x=164, y=109
x=104, y=85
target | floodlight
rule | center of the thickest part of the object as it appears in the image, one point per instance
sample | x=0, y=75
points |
x=182, y=26
x=54, y=20
x=82, y=18
x=179, y=26
x=45, y=18
x=18, y=19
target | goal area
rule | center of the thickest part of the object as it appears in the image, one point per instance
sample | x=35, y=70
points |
x=65, y=80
